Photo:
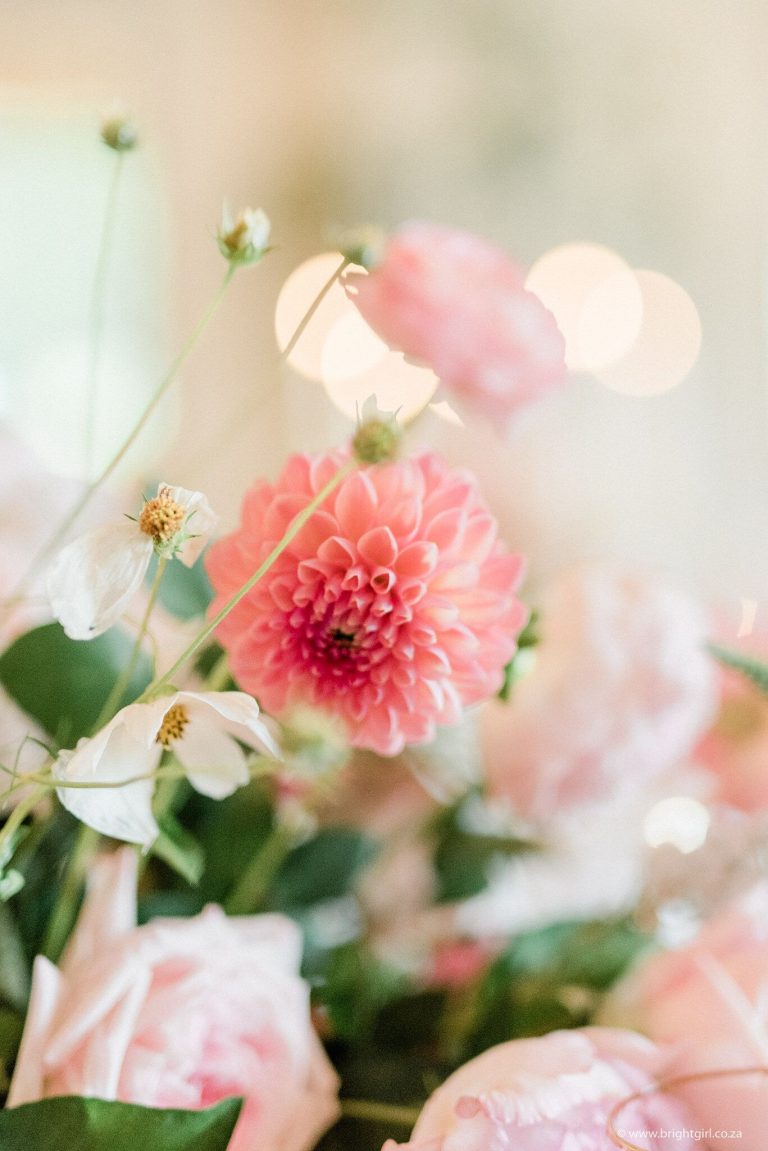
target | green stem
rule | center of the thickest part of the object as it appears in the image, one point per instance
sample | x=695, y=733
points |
x=97, y=312
x=65, y=909
x=158, y=685
x=60, y=534
x=250, y=891
x=373, y=1111
x=20, y=813
x=240, y=421
x=123, y=680
x=304, y=321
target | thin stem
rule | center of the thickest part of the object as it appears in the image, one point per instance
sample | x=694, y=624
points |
x=19, y=814
x=61, y=532
x=65, y=909
x=298, y=523
x=123, y=680
x=304, y=321
x=251, y=889
x=373, y=1111
x=98, y=310
x=237, y=424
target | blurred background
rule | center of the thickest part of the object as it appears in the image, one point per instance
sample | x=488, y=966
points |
x=634, y=127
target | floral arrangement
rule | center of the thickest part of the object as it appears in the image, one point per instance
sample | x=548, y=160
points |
x=355, y=845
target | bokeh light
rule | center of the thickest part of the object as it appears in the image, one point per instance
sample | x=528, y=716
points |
x=351, y=349
x=679, y=820
x=668, y=344
x=296, y=296
x=599, y=325
x=397, y=384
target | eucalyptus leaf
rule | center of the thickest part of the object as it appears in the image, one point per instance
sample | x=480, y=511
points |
x=64, y=683
x=753, y=669
x=322, y=868
x=96, y=1125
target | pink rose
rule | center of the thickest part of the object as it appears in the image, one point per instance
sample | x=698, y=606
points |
x=710, y=999
x=549, y=1094
x=179, y=1013
x=454, y=302
x=620, y=690
x=735, y=749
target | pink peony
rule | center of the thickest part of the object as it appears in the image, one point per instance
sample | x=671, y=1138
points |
x=179, y=1013
x=454, y=302
x=735, y=749
x=620, y=691
x=393, y=608
x=710, y=999
x=549, y=1094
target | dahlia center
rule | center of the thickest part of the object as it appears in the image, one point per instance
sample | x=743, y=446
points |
x=172, y=728
x=161, y=518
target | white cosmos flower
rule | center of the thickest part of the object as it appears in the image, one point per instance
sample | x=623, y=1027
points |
x=202, y=729
x=94, y=578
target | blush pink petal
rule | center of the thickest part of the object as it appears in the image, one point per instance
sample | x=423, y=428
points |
x=180, y=1013
x=393, y=620
x=620, y=691
x=452, y=301
x=548, y=1094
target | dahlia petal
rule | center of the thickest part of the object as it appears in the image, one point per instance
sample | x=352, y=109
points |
x=356, y=505
x=378, y=546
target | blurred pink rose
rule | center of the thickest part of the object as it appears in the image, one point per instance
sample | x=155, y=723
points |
x=620, y=691
x=735, y=749
x=454, y=302
x=710, y=999
x=549, y=1094
x=179, y=1013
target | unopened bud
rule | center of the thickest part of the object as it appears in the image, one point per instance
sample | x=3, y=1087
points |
x=244, y=240
x=378, y=434
x=119, y=134
x=363, y=246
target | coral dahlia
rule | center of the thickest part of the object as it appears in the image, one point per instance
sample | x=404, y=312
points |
x=393, y=608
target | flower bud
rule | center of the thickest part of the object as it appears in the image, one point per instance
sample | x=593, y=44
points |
x=377, y=436
x=119, y=134
x=244, y=240
x=363, y=246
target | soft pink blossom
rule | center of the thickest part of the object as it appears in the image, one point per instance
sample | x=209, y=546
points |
x=554, y=1093
x=393, y=608
x=620, y=689
x=179, y=1013
x=453, y=301
x=735, y=749
x=710, y=1000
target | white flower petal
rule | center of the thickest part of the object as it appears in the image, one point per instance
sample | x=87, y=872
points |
x=94, y=578
x=214, y=763
x=201, y=520
x=112, y=756
x=240, y=713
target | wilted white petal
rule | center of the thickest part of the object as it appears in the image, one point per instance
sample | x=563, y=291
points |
x=214, y=763
x=200, y=522
x=241, y=715
x=110, y=757
x=94, y=578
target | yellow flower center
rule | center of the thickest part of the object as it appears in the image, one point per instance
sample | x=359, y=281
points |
x=162, y=518
x=172, y=728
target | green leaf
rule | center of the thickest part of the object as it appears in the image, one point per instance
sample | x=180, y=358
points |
x=463, y=858
x=323, y=868
x=753, y=669
x=179, y=849
x=64, y=683
x=96, y=1125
